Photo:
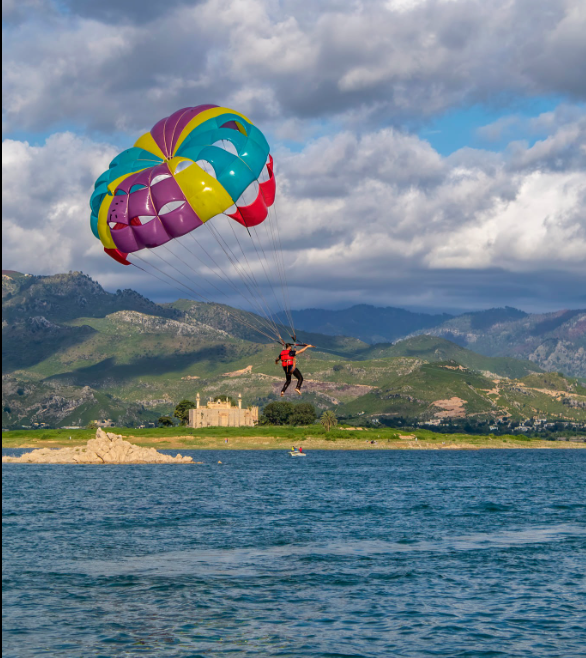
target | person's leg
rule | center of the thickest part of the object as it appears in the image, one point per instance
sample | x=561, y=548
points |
x=287, y=379
x=299, y=377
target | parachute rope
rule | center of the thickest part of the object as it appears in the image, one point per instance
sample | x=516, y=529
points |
x=246, y=277
x=266, y=268
x=252, y=302
x=250, y=268
x=285, y=282
x=267, y=322
x=197, y=296
x=198, y=274
x=272, y=233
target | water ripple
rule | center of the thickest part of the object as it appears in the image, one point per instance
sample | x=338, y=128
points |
x=347, y=554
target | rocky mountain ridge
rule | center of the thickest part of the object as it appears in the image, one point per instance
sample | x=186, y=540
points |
x=554, y=341
x=62, y=297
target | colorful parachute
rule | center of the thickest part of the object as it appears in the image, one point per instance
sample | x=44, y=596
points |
x=198, y=163
x=190, y=167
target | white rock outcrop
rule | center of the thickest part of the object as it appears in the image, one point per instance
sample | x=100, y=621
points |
x=106, y=448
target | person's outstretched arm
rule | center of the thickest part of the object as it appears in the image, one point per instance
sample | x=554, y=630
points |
x=303, y=349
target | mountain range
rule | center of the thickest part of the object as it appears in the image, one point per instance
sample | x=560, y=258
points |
x=371, y=324
x=73, y=352
x=554, y=341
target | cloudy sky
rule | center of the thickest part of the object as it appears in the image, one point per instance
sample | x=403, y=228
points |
x=430, y=154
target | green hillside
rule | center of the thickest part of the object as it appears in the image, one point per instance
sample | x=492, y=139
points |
x=73, y=353
x=27, y=400
x=432, y=348
x=413, y=395
x=555, y=381
x=448, y=391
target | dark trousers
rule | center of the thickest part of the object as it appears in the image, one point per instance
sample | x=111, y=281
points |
x=289, y=372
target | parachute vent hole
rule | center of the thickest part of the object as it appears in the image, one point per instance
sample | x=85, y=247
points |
x=207, y=167
x=183, y=165
x=158, y=179
x=136, y=188
x=264, y=175
x=226, y=145
x=235, y=125
x=171, y=206
x=249, y=195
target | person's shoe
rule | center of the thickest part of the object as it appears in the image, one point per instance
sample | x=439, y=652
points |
x=298, y=391
x=282, y=393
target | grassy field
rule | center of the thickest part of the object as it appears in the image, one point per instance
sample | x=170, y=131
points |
x=280, y=438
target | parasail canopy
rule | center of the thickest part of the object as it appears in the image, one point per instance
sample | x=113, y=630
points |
x=197, y=164
x=190, y=167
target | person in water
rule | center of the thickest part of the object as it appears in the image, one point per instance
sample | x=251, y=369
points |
x=287, y=359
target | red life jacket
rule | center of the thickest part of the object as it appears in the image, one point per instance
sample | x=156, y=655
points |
x=286, y=358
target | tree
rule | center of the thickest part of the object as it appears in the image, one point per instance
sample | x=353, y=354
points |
x=328, y=420
x=182, y=411
x=277, y=413
x=302, y=414
x=165, y=421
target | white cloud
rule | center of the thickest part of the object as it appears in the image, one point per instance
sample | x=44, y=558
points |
x=97, y=65
x=369, y=211
x=381, y=217
x=45, y=191
x=390, y=227
x=541, y=228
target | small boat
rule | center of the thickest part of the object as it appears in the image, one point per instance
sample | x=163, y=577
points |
x=298, y=454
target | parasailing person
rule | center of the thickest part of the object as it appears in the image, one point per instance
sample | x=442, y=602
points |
x=287, y=358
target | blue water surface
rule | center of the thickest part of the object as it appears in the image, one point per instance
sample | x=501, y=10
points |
x=369, y=553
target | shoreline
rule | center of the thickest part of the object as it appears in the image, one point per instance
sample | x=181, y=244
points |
x=438, y=442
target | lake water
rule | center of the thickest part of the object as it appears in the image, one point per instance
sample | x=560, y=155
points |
x=386, y=553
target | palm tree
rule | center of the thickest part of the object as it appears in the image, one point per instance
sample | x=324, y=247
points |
x=328, y=420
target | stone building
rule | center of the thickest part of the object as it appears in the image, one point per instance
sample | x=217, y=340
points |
x=222, y=414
